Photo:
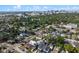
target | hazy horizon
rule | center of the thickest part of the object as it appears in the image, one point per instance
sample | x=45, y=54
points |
x=38, y=7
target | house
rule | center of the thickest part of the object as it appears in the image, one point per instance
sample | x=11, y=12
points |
x=62, y=35
x=33, y=43
x=74, y=43
x=70, y=26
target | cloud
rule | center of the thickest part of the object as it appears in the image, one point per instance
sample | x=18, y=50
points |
x=71, y=8
x=17, y=7
x=39, y=8
x=45, y=7
x=14, y=8
x=75, y=8
x=8, y=9
x=35, y=8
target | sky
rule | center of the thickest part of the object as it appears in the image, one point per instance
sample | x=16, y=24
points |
x=38, y=7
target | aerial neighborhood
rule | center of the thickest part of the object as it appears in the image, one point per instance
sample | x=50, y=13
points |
x=39, y=32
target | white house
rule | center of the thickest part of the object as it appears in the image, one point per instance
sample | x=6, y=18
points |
x=70, y=26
